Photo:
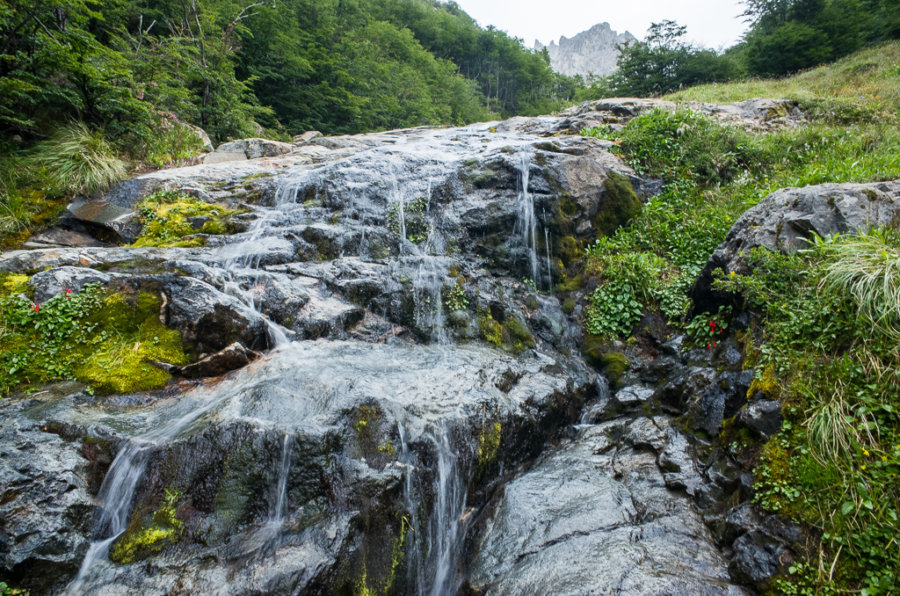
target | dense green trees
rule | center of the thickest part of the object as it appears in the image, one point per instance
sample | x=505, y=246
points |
x=334, y=65
x=789, y=35
x=665, y=62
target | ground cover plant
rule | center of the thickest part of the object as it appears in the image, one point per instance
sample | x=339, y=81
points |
x=826, y=320
x=104, y=339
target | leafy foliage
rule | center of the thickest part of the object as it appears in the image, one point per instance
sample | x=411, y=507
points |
x=835, y=464
x=665, y=62
x=104, y=340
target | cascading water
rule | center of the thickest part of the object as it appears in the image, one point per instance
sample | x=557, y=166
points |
x=549, y=267
x=123, y=478
x=526, y=224
x=436, y=547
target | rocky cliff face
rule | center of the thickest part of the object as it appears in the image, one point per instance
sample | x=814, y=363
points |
x=420, y=420
x=591, y=52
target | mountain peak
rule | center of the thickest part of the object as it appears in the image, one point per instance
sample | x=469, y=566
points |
x=591, y=52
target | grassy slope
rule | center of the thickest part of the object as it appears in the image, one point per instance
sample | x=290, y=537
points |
x=868, y=80
x=835, y=465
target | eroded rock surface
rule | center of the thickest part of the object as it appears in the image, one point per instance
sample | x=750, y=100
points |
x=597, y=517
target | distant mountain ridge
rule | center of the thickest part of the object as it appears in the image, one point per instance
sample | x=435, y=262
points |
x=591, y=52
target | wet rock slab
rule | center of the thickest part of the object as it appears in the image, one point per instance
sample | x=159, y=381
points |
x=596, y=517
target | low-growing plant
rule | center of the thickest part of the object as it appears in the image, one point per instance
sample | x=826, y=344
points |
x=867, y=267
x=105, y=340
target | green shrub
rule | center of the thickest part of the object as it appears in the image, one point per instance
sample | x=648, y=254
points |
x=172, y=142
x=825, y=337
x=77, y=160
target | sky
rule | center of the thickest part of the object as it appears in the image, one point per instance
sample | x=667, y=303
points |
x=711, y=23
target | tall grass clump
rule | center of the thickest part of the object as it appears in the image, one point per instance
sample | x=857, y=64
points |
x=868, y=268
x=77, y=160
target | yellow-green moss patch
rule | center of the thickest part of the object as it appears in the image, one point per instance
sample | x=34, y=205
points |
x=166, y=215
x=131, y=336
x=148, y=535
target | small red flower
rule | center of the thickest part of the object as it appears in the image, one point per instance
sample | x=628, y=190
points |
x=68, y=290
x=37, y=307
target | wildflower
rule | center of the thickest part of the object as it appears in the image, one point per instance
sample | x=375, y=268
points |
x=37, y=307
x=863, y=467
x=884, y=458
x=68, y=290
x=866, y=452
x=732, y=273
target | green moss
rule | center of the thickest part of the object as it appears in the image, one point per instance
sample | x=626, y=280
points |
x=488, y=445
x=569, y=250
x=517, y=337
x=568, y=306
x=766, y=382
x=148, y=535
x=570, y=284
x=620, y=204
x=165, y=215
x=12, y=284
x=129, y=337
x=614, y=365
x=490, y=329
x=512, y=336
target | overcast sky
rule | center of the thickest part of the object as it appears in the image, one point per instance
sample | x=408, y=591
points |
x=711, y=23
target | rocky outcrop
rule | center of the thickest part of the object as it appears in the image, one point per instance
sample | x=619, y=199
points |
x=757, y=114
x=596, y=516
x=788, y=218
x=45, y=507
x=420, y=359
x=591, y=53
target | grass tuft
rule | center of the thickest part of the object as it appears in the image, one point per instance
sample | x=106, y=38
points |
x=77, y=160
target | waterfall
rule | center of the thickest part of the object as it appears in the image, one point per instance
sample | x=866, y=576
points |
x=526, y=224
x=444, y=532
x=121, y=481
x=549, y=267
x=436, y=548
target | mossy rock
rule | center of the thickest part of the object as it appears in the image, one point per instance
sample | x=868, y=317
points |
x=569, y=250
x=619, y=205
x=596, y=351
x=166, y=216
x=614, y=365
x=511, y=336
x=129, y=338
x=568, y=306
x=148, y=535
x=488, y=446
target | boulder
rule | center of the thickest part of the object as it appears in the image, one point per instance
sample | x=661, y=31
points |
x=762, y=417
x=226, y=360
x=52, y=282
x=596, y=517
x=755, y=114
x=45, y=505
x=209, y=319
x=788, y=218
x=255, y=148
x=307, y=137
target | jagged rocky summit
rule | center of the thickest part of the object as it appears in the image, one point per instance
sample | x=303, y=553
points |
x=592, y=52
x=407, y=410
